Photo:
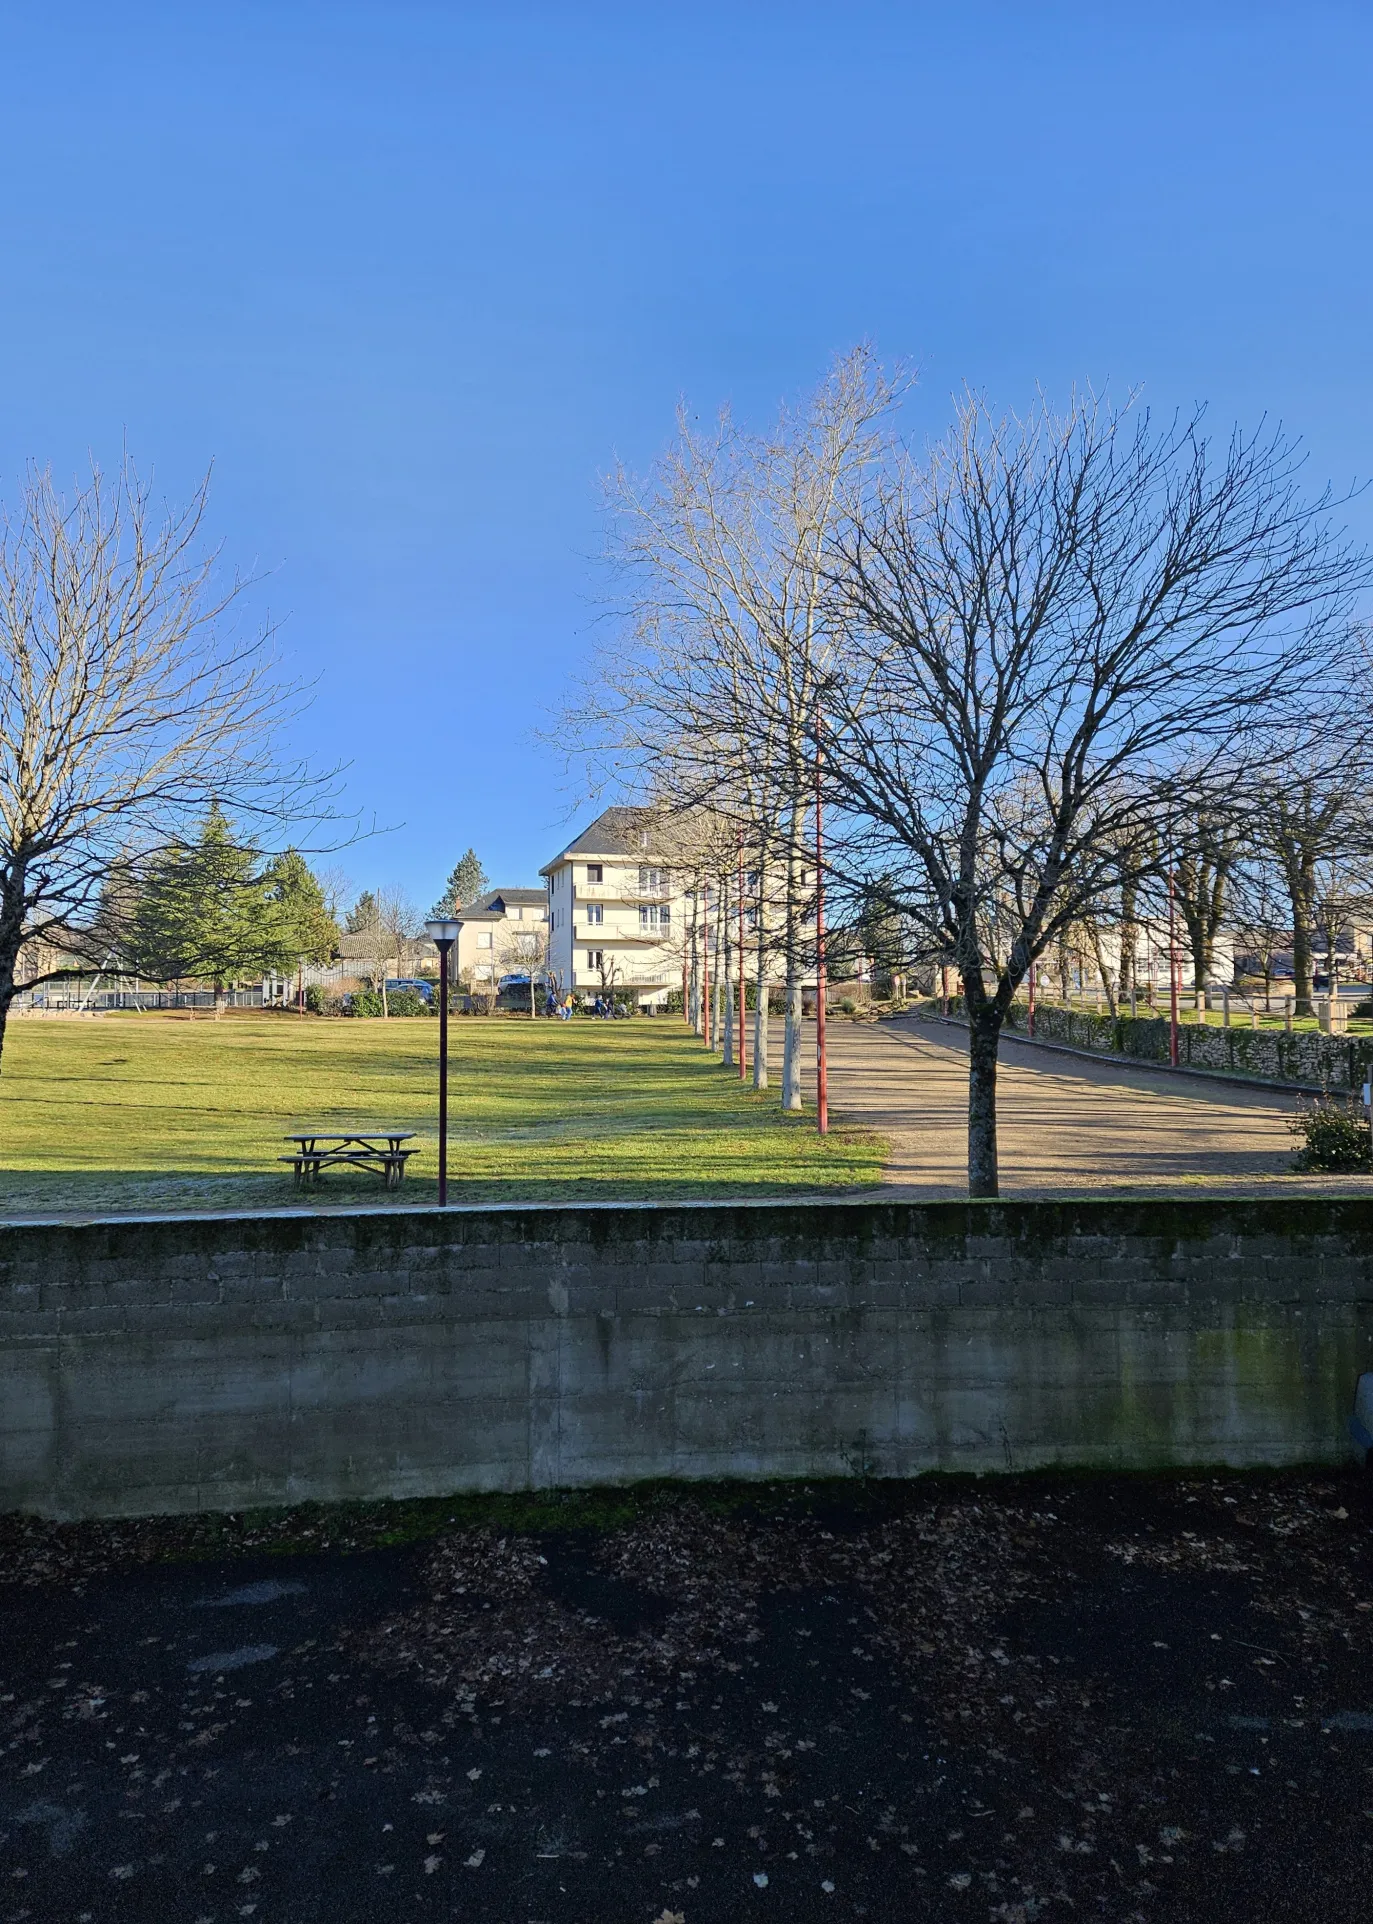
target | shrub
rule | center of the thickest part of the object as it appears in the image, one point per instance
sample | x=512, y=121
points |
x=364, y=1002
x=1336, y=1139
x=406, y=1002
x=316, y=1000
x=1363, y=1007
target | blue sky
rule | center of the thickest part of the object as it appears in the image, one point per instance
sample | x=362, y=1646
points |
x=413, y=275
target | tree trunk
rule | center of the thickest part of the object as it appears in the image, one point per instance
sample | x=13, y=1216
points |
x=221, y=1000
x=791, y=1043
x=1103, y=972
x=791, y=1024
x=760, y=1012
x=8, y=955
x=1129, y=936
x=760, y=1032
x=1301, y=889
x=694, y=974
x=984, y=1035
x=11, y=941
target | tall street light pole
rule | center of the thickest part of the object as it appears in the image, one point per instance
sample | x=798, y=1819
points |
x=443, y=934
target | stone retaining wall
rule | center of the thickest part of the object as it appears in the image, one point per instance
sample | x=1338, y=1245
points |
x=1306, y=1056
x=223, y=1362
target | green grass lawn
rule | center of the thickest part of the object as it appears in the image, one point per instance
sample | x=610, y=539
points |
x=159, y=1112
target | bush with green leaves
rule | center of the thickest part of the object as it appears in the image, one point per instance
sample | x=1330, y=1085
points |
x=316, y=999
x=1335, y=1137
x=368, y=1002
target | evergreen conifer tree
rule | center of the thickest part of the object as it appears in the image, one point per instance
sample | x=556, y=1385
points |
x=207, y=910
x=304, y=925
x=361, y=919
x=464, y=885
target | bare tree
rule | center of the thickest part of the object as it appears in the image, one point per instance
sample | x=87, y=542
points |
x=395, y=927
x=1310, y=821
x=1261, y=912
x=709, y=689
x=1203, y=873
x=1065, y=631
x=125, y=707
x=524, y=950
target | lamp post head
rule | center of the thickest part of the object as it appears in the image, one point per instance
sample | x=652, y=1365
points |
x=442, y=931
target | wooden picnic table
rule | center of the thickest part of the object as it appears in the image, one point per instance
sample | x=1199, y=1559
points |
x=378, y=1150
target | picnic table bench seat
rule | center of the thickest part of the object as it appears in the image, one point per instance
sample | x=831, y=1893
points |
x=379, y=1151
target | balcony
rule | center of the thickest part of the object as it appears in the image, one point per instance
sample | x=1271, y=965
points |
x=627, y=890
x=602, y=935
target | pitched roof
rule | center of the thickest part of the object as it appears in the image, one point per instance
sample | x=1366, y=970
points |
x=615, y=831
x=492, y=905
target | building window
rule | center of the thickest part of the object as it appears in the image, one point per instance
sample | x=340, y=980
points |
x=643, y=838
x=594, y=872
x=651, y=917
x=595, y=958
x=652, y=880
x=485, y=939
x=594, y=912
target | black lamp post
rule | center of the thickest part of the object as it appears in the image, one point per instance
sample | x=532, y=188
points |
x=443, y=934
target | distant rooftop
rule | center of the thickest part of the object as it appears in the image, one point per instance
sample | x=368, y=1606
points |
x=616, y=831
x=493, y=904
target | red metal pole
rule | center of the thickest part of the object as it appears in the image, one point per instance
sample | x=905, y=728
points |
x=705, y=964
x=822, y=1085
x=743, y=1027
x=1172, y=970
x=444, y=947
x=1032, y=999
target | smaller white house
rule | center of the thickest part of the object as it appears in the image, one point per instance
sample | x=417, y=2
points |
x=500, y=933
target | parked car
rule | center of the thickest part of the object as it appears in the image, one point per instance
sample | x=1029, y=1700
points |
x=417, y=983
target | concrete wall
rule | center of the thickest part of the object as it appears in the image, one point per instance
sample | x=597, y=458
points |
x=221, y=1362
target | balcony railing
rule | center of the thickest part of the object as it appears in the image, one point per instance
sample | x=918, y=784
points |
x=627, y=890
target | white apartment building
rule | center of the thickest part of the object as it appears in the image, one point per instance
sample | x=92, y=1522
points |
x=615, y=911
x=485, y=950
